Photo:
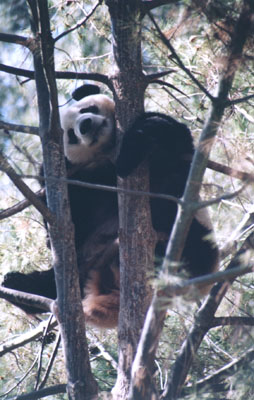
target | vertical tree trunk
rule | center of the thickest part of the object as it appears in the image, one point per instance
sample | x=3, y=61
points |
x=68, y=309
x=136, y=240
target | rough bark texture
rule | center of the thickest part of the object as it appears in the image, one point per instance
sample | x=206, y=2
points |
x=136, y=240
x=68, y=309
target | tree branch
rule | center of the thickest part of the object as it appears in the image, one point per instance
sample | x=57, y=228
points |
x=79, y=24
x=204, y=321
x=25, y=338
x=51, y=362
x=223, y=373
x=18, y=297
x=232, y=321
x=68, y=307
x=16, y=39
x=59, y=74
x=151, y=4
x=51, y=390
x=179, y=61
x=25, y=190
x=237, y=101
x=20, y=206
x=33, y=130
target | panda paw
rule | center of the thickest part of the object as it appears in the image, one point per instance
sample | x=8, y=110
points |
x=137, y=144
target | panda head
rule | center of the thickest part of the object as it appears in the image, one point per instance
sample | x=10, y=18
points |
x=89, y=130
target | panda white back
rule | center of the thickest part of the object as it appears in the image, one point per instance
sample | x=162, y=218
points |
x=89, y=130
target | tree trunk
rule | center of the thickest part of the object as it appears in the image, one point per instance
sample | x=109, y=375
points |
x=136, y=238
x=68, y=309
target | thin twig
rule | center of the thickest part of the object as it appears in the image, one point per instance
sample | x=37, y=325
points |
x=21, y=379
x=41, y=352
x=223, y=373
x=79, y=24
x=25, y=190
x=25, y=338
x=20, y=206
x=51, y=361
x=179, y=61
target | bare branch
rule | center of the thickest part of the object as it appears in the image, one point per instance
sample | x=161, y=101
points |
x=204, y=321
x=224, y=196
x=182, y=287
x=51, y=390
x=33, y=130
x=232, y=321
x=79, y=24
x=59, y=74
x=163, y=83
x=223, y=373
x=17, y=297
x=25, y=190
x=40, y=356
x=241, y=100
x=21, y=379
x=106, y=188
x=9, y=38
x=232, y=172
x=51, y=361
x=81, y=382
x=153, y=77
x=179, y=61
x=27, y=337
x=20, y=206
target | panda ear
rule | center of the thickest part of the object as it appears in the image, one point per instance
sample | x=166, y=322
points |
x=84, y=91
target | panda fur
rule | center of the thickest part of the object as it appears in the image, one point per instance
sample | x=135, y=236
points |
x=89, y=141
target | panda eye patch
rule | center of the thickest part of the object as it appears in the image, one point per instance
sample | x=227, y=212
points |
x=72, y=138
x=91, y=109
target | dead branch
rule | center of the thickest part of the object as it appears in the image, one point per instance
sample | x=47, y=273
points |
x=25, y=338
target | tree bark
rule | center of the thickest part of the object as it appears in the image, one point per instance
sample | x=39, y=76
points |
x=136, y=239
x=68, y=309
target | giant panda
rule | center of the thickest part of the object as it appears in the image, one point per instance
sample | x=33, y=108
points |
x=89, y=144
